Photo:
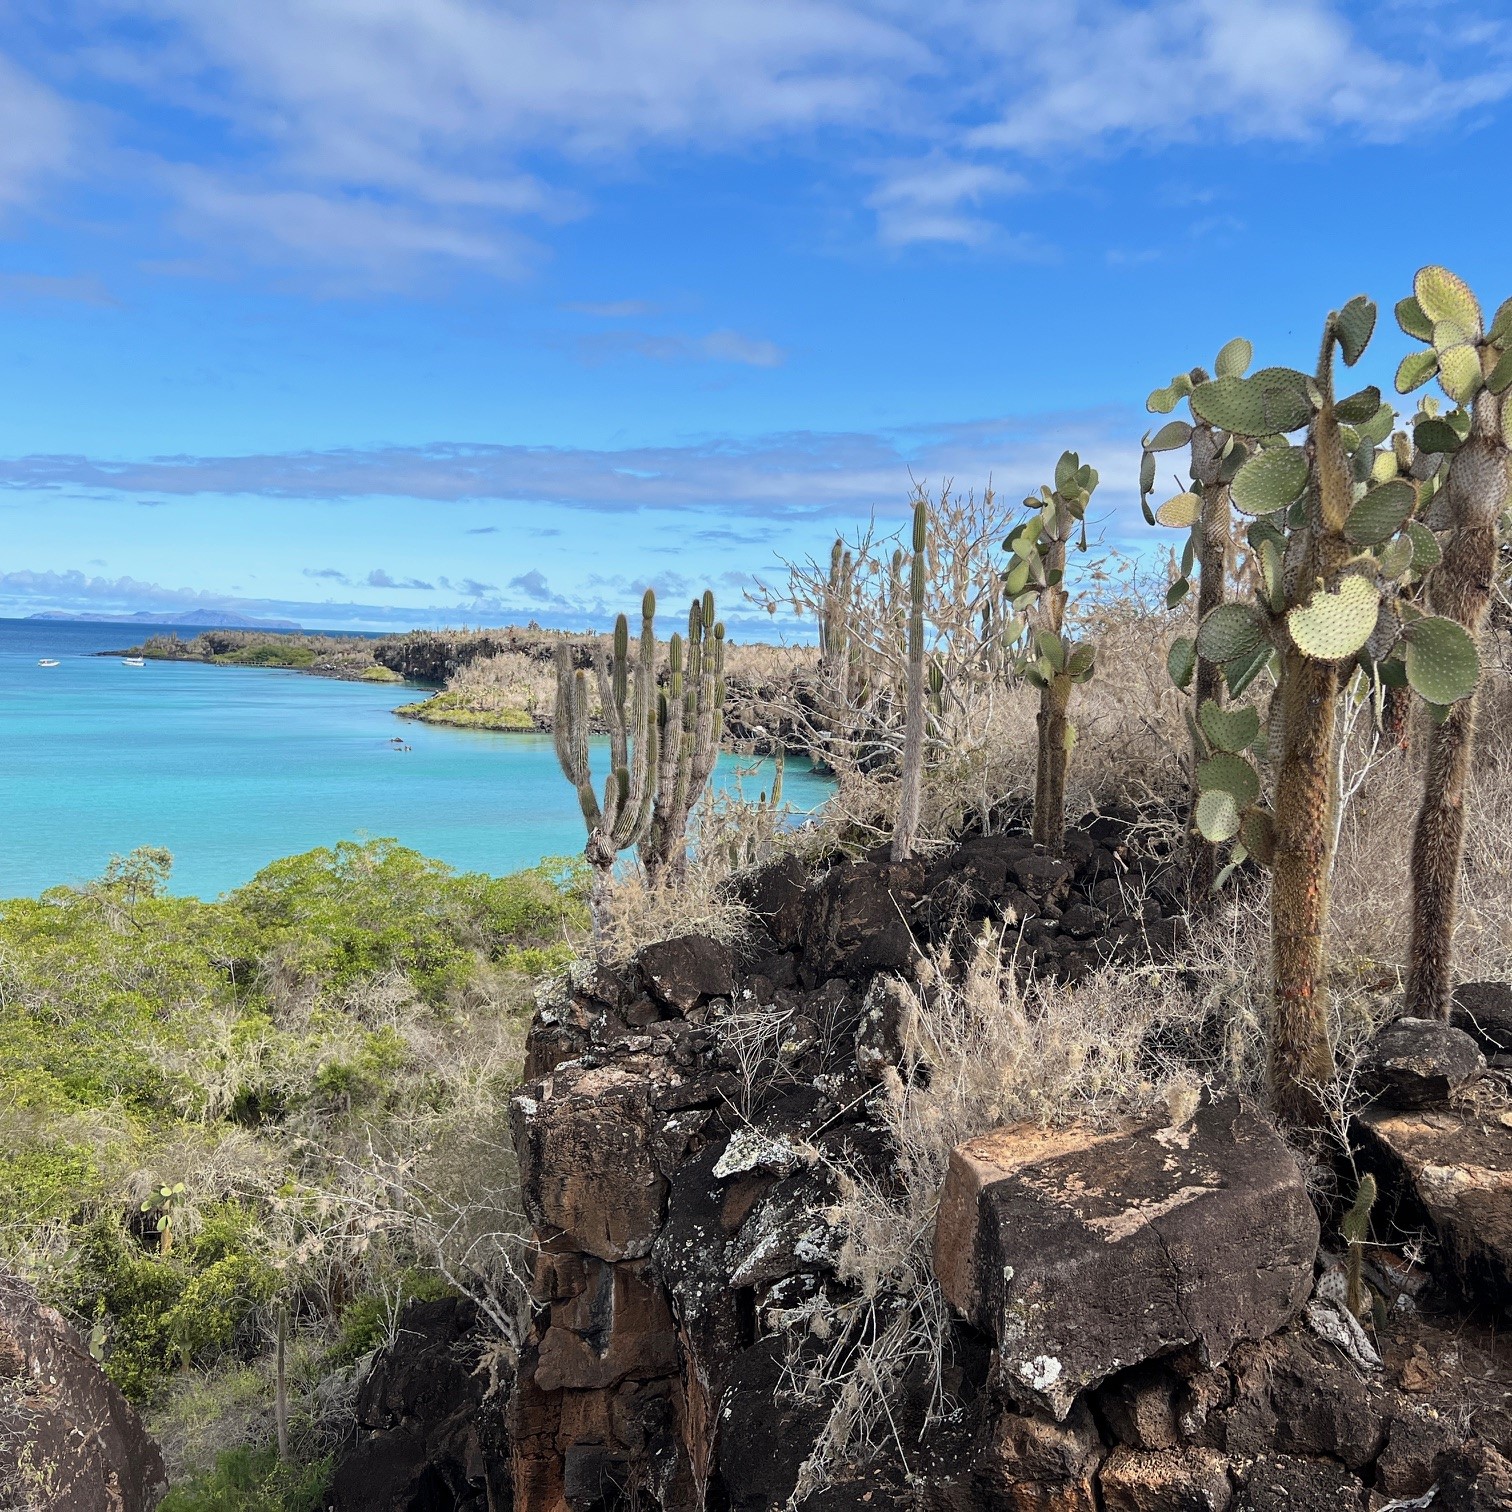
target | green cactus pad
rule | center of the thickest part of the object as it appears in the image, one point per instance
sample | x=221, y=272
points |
x=1270, y=480
x=1499, y=331
x=1435, y=435
x=1051, y=648
x=1332, y=626
x=1146, y=472
x=1288, y=398
x=1441, y=295
x=1381, y=513
x=1395, y=557
x=1415, y=369
x=1442, y=664
x=1162, y=401
x=1080, y=663
x=1228, y=729
x=1172, y=434
x=1460, y=372
x=1234, y=357
x=1231, y=774
x=1232, y=404
x=1257, y=833
x=1353, y=326
x=1384, y=467
x=1217, y=816
x=1413, y=321
x=1243, y=670
x=1501, y=375
x=1376, y=429
x=1228, y=631
x=1181, y=660
x=1426, y=551
x=1270, y=559
x=1360, y=408
x=1181, y=512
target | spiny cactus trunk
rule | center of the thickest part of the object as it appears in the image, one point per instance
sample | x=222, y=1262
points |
x=1461, y=590
x=1212, y=561
x=1049, y=828
x=1300, y=1052
x=906, y=830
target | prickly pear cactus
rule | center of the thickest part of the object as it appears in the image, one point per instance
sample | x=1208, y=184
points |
x=1050, y=660
x=1472, y=360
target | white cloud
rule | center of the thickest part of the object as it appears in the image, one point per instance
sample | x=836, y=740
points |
x=36, y=134
x=930, y=200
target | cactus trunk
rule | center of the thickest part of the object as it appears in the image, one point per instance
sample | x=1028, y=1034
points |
x=912, y=779
x=1049, y=828
x=1460, y=589
x=1212, y=561
x=1301, y=1056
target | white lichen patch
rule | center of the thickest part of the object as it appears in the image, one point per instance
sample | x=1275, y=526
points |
x=1040, y=1373
x=751, y=1150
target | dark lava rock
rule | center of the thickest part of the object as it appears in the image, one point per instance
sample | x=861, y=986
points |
x=1083, y=1250
x=1484, y=1011
x=683, y=972
x=69, y=1441
x=776, y=895
x=857, y=921
x=1418, y=1063
x=1291, y=1483
x=430, y=1436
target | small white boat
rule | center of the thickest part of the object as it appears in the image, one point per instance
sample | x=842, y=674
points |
x=133, y=661
x=48, y=661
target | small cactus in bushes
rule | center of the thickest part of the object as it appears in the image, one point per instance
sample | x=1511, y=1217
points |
x=1331, y=535
x=1049, y=659
x=1472, y=361
x=917, y=688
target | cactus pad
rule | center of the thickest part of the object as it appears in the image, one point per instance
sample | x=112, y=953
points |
x=1395, y=557
x=1332, y=626
x=1381, y=513
x=1353, y=326
x=1228, y=631
x=1162, y=400
x=1233, y=358
x=1257, y=833
x=1435, y=435
x=1360, y=408
x=1426, y=551
x=1172, y=434
x=1231, y=774
x=1217, y=816
x=1442, y=664
x=1146, y=472
x=1243, y=670
x=1501, y=375
x=1270, y=480
x=1415, y=369
x=1460, y=372
x=1180, y=512
x=1181, y=660
x=1228, y=729
x=1441, y=295
x=1413, y=321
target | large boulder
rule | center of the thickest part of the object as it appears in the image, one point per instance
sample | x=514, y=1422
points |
x=681, y=973
x=1457, y=1168
x=69, y=1441
x=1484, y=1011
x=1084, y=1250
x=1418, y=1063
x=857, y=921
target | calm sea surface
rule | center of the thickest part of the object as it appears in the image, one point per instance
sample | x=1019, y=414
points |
x=232, y=767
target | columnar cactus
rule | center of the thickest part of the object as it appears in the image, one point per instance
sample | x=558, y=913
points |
x=914, y=731
x=1474, y=368
x=690, y=722
x=1333, y=534
x=625, y=698
x=1049, y=660
x=1203, y=509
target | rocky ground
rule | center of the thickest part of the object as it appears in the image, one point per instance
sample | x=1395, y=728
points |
x=1146, y=1312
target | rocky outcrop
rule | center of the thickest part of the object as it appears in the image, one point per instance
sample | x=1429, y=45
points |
x=1082, y=1251
x=1418, y=1063
x=69, y=1441
x=430, y=1421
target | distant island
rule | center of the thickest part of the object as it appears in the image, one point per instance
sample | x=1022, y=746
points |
x=220, y=619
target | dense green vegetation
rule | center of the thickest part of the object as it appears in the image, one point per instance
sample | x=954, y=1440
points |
x=468, y=711
x=288, y=1099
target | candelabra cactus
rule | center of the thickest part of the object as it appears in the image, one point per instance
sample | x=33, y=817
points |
x=1215, y=455
x=1473, y=364
x=914, y=732
x=689, y=722
x=1332, y=534
x=625, y=699
x=1049, y=660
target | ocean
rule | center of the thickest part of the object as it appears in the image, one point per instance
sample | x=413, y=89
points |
x=233, y=767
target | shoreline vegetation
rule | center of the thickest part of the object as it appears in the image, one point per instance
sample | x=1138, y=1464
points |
x=499, y=680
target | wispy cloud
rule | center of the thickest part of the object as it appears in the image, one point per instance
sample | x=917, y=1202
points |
x=76, y=289
x=788, y=473
x=717, y=346
x=378, y=578
x=934, y=199
x=37, y=134
x=613, y=309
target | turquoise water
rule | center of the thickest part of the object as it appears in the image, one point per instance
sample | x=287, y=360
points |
x=232, y=767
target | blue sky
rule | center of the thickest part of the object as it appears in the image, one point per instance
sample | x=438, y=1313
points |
x=372, y=313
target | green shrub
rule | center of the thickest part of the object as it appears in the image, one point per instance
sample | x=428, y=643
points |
x=253, y=1480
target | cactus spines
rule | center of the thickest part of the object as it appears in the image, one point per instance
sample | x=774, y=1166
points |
x=625, y=697
x=1049, y=661
x=1473, y=369
x=912, y=777
x=690, y=724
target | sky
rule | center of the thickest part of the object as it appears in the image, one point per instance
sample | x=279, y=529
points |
x=380, y=313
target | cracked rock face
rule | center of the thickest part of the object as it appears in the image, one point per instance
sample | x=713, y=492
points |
x=1082, y=1251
